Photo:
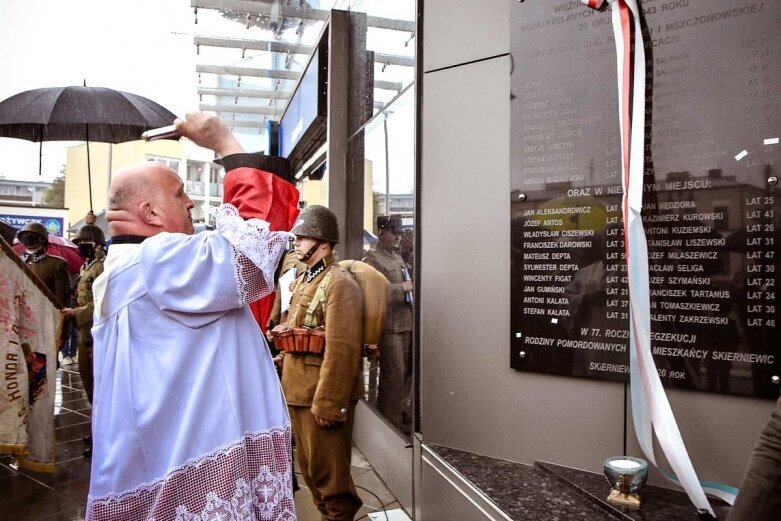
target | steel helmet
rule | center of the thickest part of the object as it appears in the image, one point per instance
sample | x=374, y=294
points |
x=317, y=222
x=389, y=222
x=36, y=228
x=91, y=233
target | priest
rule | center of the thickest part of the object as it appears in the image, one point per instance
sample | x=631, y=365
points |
x=188, y=419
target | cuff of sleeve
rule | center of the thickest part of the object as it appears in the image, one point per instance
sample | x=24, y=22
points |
x=332, y=412
x=278, y=166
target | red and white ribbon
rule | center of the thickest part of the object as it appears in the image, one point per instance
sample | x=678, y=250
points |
x=650, y=406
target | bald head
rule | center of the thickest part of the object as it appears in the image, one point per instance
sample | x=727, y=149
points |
x=146, y=199
x=134, y=183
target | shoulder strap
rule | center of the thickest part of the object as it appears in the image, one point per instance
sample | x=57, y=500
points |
x=309, y=321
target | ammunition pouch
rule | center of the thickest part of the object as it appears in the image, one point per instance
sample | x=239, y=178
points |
x=283, y=338
x=299, y=339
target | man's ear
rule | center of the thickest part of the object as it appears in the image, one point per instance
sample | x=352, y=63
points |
x=148, y=215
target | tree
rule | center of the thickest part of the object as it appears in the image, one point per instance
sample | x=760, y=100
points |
x=55, y=195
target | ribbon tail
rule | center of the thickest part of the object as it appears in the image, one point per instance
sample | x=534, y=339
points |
x=649, y=397
x=719, y=490
x=641, y=415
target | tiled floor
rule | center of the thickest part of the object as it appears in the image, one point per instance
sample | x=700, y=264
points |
x=62, y=496
x=370, y=488
x=27, y=495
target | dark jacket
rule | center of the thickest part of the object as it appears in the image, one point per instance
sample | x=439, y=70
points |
x=53, y=272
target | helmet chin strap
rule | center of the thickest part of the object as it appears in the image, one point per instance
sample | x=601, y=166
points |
x=311, y=251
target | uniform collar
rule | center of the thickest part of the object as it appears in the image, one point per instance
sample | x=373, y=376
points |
x=32, y=258
x=87, y=265
x=128, y=239
x=317, y=268
x=387, y=253
x=99, y=256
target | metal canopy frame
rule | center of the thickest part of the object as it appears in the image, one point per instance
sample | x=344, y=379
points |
x=238, y=97
x=305, y=13
x=285, y=48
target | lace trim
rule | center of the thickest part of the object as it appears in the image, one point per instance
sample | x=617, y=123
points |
x=267, y=496
x=264, y=492
x=256, y=251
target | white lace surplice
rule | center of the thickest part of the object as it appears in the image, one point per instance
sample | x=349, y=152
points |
x=189, y=421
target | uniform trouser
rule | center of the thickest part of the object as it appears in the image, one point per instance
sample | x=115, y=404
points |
x=393, y=396
x=85, y=368
x=324, y=455
x=759, y=498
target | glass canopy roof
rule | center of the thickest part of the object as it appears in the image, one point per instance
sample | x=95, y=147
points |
x=250, y=53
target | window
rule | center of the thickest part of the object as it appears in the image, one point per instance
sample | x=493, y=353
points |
x=195, y=183
x=173, y=164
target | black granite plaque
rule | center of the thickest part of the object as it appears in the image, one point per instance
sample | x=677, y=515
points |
x=711, y=209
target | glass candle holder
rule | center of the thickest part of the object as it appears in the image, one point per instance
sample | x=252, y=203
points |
x=627, y=476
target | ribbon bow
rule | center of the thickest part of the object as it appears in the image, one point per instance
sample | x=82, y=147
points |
x=594, y=4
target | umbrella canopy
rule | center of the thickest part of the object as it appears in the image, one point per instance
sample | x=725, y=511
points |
x=80, y=114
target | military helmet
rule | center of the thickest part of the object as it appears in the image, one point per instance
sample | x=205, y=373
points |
x=36, y=228
x=317, y=222
x=389, y=222
x=90, y=233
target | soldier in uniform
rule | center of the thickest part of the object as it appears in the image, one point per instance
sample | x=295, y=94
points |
x=322, y=388
x=395, y=359
x=90, y=241
x=53, y=271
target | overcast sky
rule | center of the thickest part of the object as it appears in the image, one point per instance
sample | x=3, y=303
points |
x=131, y=46
x=146, y=47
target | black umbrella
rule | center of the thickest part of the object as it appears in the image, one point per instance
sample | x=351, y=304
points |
x=80, y=114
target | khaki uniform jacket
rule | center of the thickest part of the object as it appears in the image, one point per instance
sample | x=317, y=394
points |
x=329, y=382
x=84, y=298
x=53, y=272
x=398, y=314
